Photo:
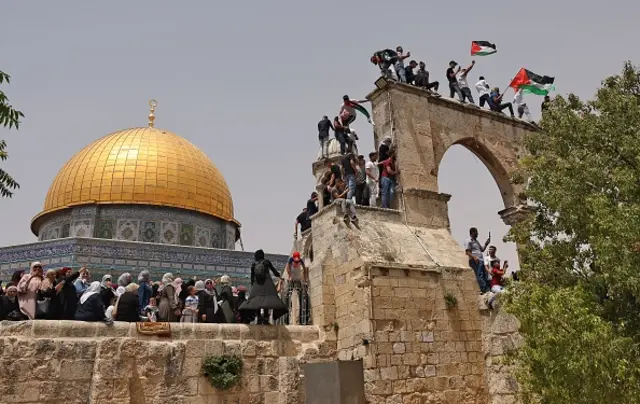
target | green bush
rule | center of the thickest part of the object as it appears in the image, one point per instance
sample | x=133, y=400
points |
x=223, y=372
x=450, y=300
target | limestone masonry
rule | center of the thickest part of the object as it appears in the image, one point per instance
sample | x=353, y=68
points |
x=377, y=294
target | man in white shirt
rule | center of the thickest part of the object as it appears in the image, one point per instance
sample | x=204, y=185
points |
x=373, y=173
x=483, y=91
x=464, y=86
x=523, y=109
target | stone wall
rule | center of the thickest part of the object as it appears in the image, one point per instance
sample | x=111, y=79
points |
x=77, y=362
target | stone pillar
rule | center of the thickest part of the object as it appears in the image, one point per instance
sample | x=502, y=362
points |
x=514, y=214
x=405, y=117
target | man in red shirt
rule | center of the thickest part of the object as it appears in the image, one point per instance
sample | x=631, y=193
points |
x=388, y=181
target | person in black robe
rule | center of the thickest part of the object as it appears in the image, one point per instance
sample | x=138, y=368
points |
x=65, y=303
x=9, y=309
x=264, y=295
x=207, y=305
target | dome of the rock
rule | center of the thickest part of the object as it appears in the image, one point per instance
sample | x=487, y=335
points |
x=144, y=167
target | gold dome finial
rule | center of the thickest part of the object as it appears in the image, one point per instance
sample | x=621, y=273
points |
x=152, y=117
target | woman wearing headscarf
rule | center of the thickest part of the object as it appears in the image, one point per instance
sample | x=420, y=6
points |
x=91, y=307
x=125, y=279
x=244, y=317
x=28, y=290
x=168, y=308
x=9, y=309
x=210, y=287
x=227, y=300
x=207, y=304
x=46, y=294
x=126, y=307
x=144, y=291
x=264, y=295
x=63, y=307
x=106, y=291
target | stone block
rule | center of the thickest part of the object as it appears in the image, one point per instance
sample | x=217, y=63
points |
x=77, y=329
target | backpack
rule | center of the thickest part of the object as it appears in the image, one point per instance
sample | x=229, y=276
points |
x=260, y=271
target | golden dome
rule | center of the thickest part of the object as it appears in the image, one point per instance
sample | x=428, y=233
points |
x=145, y=166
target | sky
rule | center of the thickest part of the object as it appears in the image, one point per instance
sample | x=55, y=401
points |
x=247, y=82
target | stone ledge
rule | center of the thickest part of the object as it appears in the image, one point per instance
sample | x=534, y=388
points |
x=363, y=213
x=179, y=331
x=453, y=104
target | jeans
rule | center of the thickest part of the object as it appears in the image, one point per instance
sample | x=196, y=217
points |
x=303, y=302
x=466, y=93
x=360, y=194
x=373, y=191
x=343, y=142
x=499, y=108
x=454, y=88
x=351, y=186
x=401, y=72
x=481, y=274
x=388, y=189
x=324, y=143
x=484, y=99
x=348, y=207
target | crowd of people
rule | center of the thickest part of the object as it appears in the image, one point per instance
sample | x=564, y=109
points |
x=392, y=66
x=64, y=294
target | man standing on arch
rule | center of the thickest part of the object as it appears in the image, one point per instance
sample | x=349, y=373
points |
x=475, y=252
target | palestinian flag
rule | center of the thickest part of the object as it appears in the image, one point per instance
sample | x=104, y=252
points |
x=532, y=83
x=482, y=48
x=360, y=109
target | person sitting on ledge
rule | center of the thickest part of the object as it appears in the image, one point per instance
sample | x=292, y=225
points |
x=422, y=80
x=496, y=104
x=339, y=194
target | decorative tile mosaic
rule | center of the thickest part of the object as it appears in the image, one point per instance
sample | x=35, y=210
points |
x=105, y=228
x=203, y=237
x=66, y=229
x=215, y=241
x=169, y=233
x=148, y=232
x=127, y=229
x=82, y=228
x=186, y=234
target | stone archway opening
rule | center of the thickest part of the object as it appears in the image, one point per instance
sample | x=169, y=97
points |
x=479, y=189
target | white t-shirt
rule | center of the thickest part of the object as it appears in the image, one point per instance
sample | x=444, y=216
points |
x=462, y=80
x=373, y=167
x=482, y=87
x=488, y=259
x=518, y=99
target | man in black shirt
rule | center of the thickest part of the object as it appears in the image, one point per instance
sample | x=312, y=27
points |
x=323, y=134
x=454, y=88
x=545, y=103
x=408, y=72
x=312, y=206
x=335, y=170
x=304, y=222
x=422, y=79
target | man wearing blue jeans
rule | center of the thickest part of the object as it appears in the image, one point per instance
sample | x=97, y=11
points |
x=475, y=252
x=349, y=168
x=388, y=181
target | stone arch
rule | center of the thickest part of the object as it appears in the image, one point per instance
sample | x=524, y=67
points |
x=500, y=172
x=424, y=127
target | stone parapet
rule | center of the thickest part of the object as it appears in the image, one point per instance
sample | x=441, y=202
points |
x=77, y=362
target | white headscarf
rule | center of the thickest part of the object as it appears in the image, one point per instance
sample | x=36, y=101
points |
x=91, y=290
x=120, y=291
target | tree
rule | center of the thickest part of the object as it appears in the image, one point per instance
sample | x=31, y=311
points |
x=578, y=299
x=9, y=118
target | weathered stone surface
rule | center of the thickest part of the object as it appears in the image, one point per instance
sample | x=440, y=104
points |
x=124, y=367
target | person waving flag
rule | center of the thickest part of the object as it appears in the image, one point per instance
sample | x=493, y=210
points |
x=482, y=48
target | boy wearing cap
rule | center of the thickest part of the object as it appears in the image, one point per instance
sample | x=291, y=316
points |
x=298, y=279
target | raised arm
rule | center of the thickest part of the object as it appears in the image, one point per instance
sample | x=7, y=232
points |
x=273, y=269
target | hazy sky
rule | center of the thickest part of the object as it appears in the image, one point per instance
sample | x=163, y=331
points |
x=247, y=83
